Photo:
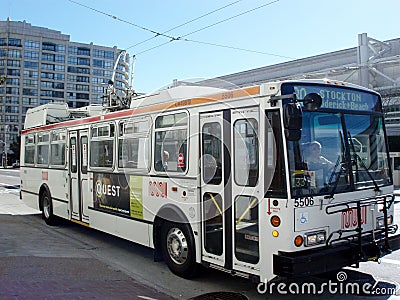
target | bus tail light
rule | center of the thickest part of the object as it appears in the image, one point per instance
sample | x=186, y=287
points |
x=298, y=241
x=314, y=238
x=275, y=221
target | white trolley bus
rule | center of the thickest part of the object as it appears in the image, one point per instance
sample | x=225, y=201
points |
x=223, y=178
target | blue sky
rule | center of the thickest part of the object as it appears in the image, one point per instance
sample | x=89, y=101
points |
x=287, y=29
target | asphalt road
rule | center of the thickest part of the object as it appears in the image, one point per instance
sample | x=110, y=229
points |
x=60, y=257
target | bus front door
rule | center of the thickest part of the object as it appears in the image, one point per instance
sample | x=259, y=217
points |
x=79, y=181
x=230, y=188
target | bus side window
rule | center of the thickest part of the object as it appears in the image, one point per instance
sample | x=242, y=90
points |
x=29, y=157
x=102, y=146
x=42, y=149
x=58, y=141
x=171, y=134
x=134, y=143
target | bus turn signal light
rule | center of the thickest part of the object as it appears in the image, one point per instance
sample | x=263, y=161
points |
x=298, y=241
x=275, y=221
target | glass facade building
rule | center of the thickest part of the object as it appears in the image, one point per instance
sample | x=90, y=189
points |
x=42, y=65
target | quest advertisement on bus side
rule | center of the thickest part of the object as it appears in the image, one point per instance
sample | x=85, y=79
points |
x=118, y=193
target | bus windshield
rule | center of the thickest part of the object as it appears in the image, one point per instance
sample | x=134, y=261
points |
x=340, y=150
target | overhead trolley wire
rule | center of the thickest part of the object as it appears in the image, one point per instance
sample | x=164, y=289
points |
x=124, y=21
x=182, y=38
x=187, y=22
x=228, y=19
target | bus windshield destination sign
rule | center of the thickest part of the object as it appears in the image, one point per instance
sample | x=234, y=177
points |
x=337, y=97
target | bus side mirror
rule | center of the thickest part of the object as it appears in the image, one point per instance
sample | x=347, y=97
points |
x=312, y=102
x=292, y=119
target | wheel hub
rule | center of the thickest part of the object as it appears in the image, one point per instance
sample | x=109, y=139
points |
x=177, y=246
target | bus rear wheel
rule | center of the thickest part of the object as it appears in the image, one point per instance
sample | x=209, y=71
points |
x=178, y=249
x=47, y=208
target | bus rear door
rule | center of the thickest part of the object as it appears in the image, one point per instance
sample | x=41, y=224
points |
x=79, y=179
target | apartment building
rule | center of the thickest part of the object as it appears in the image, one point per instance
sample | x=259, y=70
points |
x=42, y=65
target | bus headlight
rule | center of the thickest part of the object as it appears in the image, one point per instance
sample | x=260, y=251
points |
x=380, y=222
x=314, y=238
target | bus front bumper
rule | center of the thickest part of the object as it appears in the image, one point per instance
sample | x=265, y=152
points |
x=329, y=258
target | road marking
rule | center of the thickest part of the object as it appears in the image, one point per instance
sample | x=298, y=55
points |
x=146, y=298
x=390, y=261
x=8, y=184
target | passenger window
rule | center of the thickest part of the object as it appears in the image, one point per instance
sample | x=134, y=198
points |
x=102, y=146
x=42, y=153
x=212, y=153
x=246, y=152
x=58, y=141
x=170, y=153
x=29, y=157
x=134, y=144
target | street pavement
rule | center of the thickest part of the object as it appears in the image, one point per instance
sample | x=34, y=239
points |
x=37, y=263
x=73, y=262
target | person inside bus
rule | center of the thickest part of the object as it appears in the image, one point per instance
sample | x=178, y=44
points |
x=313, y=157
x=162, y=165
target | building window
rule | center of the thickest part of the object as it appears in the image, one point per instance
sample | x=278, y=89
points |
x=98, y=63
x=47, y=67
x=15, y=63
x=46, y=75
x=31, y=74
x=12, y=109
x=12, y=90
x=60, y=48
x=83, y=51
x=14, y=53
x=59, y=68
x=31, y=55
x=13, y=72
x=12, y=100
x=14, y=42
x=12, y=81
x=29, y=101
x=48, y=57
x=58, y=76
x=48, y=46
x=60, y=58
x=30, y=82
x=31, y=64
x=30, y=92
x=32, y=45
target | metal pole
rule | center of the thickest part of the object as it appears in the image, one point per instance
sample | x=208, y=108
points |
x=362, y=59
x=5, y=142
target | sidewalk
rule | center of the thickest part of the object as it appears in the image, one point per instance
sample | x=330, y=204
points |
x=36, y=262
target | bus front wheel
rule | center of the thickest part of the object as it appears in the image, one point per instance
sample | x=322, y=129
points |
x=47, y=208
x=178, y=249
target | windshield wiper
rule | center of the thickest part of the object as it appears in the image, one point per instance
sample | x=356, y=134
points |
x=362, y=163
x=336, y=175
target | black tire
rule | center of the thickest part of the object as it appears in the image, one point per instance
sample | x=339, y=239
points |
x=47, y=209
x=177, y=245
